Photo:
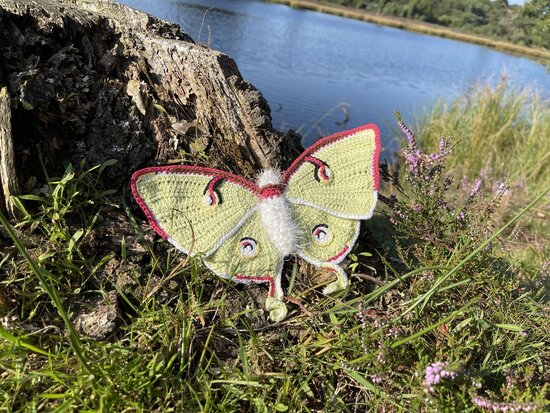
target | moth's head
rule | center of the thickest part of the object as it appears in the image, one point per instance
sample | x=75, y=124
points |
x=268, y=177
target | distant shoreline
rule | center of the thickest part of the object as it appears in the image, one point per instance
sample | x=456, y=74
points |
x=415, y=26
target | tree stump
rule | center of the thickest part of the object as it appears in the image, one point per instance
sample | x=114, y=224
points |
x=93, y=80
x=88, y=81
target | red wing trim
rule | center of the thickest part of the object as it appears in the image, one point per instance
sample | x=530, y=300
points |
x=334, y=138
x=185, y=169
x=342, y=253
x=263, y=279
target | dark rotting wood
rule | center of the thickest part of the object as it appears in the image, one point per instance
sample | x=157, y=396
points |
x=94, y=80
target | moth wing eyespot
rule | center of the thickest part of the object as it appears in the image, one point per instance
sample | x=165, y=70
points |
x=321, y=234
x=212, y=195
x=248, y=247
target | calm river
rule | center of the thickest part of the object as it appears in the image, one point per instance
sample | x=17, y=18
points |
x=318, y=70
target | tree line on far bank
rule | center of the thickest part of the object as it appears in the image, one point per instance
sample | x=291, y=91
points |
x=527, y=24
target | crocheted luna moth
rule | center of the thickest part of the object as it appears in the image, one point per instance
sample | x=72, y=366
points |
x=244, y=230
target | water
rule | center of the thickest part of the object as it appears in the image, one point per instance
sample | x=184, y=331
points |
x=322, y=73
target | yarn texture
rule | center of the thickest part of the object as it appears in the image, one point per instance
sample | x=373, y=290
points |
x=243, y=231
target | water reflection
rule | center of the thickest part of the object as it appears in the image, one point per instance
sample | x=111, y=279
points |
x=308, y=65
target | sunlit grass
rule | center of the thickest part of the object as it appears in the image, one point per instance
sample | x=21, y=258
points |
x=498, y=131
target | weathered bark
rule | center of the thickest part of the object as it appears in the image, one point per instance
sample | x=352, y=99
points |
x=8, y=176
x=92, y=80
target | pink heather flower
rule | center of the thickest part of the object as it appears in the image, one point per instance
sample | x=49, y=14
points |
x=476, y=188
x=444, y=150
x=503, y=407
x=502, y=190
x=444, y=147
x=376, y=379
x=435, y=373
x=413, y=158
x=410, y=136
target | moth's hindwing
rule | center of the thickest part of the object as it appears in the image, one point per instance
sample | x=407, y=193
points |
x=324, y=237
x=248, y=255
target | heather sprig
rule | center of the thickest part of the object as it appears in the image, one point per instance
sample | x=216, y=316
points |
x=434, y=216
x=503, y=407
x=438, y=372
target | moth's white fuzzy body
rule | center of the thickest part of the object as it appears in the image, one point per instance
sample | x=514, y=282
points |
x=268, y=177
x=278, y=224
x=276, y=216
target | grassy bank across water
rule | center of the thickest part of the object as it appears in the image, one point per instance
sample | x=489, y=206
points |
x=416, y=26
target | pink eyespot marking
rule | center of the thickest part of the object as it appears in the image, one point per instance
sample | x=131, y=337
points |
x=248, y=247
x=321, y=234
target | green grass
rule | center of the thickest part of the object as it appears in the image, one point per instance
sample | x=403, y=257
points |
x=501, y=133
x=185, y=340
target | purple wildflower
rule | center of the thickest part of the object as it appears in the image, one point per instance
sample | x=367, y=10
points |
x=476, y=188
x=376, y=379
x=410, y=136
x=503, y=407
x=413, y=158
x=361, y=315
x=444, y=146
x=435, y=373
x=415, y=207
x=502, y=190
x=444, y=151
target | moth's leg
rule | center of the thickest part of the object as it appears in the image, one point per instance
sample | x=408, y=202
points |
x=341, y=282
x=274, y=302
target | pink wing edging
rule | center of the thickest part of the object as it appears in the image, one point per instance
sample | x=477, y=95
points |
x=273, y=280
x=321, y=143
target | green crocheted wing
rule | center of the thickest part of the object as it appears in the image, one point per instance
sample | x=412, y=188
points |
x=338, y=174
x=325, y=237
x=196, y=209
x=249, y=256
x=215, y=214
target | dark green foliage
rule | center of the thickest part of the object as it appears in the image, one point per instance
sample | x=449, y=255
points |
x=527, y=25
x=537, y=14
